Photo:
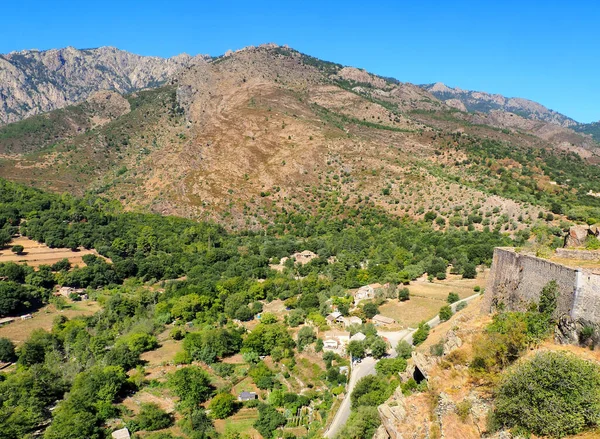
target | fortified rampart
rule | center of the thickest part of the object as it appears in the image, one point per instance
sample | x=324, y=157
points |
x=516, y=280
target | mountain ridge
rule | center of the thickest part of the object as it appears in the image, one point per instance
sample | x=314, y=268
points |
x=481, y=101
x=240, y=137
x=34, y=81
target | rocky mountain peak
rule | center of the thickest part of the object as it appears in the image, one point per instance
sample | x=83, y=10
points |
x=34, y=81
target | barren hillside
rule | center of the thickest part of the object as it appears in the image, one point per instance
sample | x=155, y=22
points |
x=266, y=128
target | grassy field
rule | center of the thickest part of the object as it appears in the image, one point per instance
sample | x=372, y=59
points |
x=19, y=330
x=165, y=353
x=426, y=299
x=241, y=422
x=40, y=254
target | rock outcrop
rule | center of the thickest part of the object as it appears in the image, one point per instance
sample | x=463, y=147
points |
x=577, y=236
x=33, y=81
x=487, y=102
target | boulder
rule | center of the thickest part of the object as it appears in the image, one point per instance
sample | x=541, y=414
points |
x=381, y=433
x=577, y=236
x=452, y=342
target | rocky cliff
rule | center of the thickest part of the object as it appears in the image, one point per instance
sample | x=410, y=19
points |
x=33, y=81
x=467, y=100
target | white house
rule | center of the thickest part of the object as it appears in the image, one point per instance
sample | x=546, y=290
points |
x=336, y=340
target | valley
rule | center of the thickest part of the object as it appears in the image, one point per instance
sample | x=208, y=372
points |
x=264, y=244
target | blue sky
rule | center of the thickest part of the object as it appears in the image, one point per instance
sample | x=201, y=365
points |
x=547, y=51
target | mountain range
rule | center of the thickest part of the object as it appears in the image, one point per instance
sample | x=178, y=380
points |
x=32, y=81
x=240, y=137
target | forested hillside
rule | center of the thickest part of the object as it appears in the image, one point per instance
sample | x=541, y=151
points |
x=225, y=276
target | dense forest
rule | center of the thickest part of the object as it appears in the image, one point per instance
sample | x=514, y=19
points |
x=156, y=270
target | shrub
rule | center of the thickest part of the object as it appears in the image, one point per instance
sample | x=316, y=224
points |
x=437, y=350
x=421, y=333
x=445, y=313
x=461, y=306
x=223, y=369
x=371, y=391
x=390, y=366
x=177, y=333
x=452, y=297
x=463, y=409
x=222, y=406
x=370, y=310
x=403, y=349
x=586, y=333
x=17, y=249
x=7, y=351
x=403, y=294
x=152, y=417
x=552, y=394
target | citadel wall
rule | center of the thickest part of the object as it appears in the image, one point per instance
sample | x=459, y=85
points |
x=516, y=280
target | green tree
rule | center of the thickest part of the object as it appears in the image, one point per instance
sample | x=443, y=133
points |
x=356, y=349
x=452, y=297
x=421, y=333
x=445, y=313
x=403, y=294
x=404, y=349
x=17, y=249
x=7, y=351
x=552, y=394
x=378, y=348
x=362, y=423
x=222, y=406
x=152, y=417
x=269, y=419
x=306, y=336
x=370, y=390
x=192, y=385
x=469, y=271
x=264, y=338
x=370, y=309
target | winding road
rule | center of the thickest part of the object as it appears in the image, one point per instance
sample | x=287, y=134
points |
x=367, y=367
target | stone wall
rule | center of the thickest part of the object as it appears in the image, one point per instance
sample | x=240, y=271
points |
x=582, y=255
x=516, y=280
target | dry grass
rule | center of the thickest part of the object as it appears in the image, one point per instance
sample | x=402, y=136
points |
x=241, y=422
x=36, y=254
x=163, y=354
x=163, y=400
x=20, y=330
x=426, y=298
